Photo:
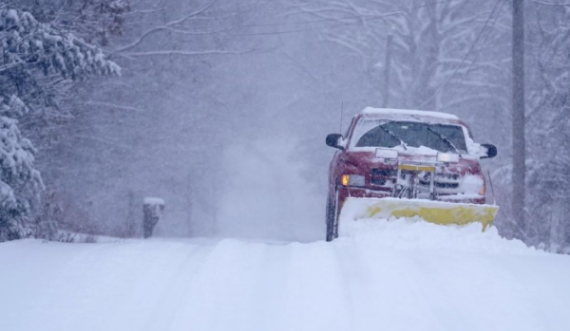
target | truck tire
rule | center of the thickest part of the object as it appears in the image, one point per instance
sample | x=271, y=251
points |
x=331, y=222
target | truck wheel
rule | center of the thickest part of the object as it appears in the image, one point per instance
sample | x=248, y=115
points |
x=332, y=232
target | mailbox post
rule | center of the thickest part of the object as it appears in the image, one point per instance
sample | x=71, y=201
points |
x=152, y=213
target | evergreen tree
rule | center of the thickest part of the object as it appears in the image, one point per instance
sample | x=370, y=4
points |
x=36, y=57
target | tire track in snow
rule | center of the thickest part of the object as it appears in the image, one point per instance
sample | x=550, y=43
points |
x=222, y=291
x=177, y=292
x=315, y=297
x=360, y=285
x=271, y=279
x=393, y=290
x=144, y=269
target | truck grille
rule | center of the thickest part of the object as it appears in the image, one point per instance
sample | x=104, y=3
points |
x=383, y=177
x=446, y=185
x=384, y=172
x=445, y=182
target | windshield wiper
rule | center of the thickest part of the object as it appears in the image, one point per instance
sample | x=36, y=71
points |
x=402, y=143
x=444, y=139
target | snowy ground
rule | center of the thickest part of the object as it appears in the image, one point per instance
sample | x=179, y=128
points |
x=380, y=276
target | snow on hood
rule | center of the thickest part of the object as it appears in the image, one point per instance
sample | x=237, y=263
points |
x=409, y=150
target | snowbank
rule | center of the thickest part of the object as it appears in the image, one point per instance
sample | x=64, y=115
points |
x=417, y=235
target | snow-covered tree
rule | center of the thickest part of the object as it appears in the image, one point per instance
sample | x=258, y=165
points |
x=548, y=126
x=439, y=51
x=20, y=182
x=30, y=47
x=95, y=21
x=36, y=58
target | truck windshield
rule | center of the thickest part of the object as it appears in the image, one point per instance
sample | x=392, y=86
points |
x=374, y=133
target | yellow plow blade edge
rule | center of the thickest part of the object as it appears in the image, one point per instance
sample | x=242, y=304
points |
x=437, y=212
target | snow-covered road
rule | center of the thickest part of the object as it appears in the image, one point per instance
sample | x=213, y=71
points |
x=380, y=276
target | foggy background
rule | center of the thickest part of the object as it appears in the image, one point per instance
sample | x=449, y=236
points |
x=223, y=106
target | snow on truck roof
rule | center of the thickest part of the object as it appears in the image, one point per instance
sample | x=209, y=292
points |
x=408, y=112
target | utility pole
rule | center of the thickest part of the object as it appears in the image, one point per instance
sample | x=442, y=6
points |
x=387, y=65
x=519, y=154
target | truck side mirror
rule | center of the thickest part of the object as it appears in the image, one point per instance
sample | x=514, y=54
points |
x=491, y=151
x=332, y=140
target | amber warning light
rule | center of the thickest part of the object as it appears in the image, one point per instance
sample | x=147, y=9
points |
x=345, y=180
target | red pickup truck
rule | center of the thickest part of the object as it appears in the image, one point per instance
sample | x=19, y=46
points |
x=405, y=154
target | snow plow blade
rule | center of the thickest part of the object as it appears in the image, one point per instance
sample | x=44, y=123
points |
x=437, y=212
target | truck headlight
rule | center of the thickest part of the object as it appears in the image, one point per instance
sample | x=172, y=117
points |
x=352, y=180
